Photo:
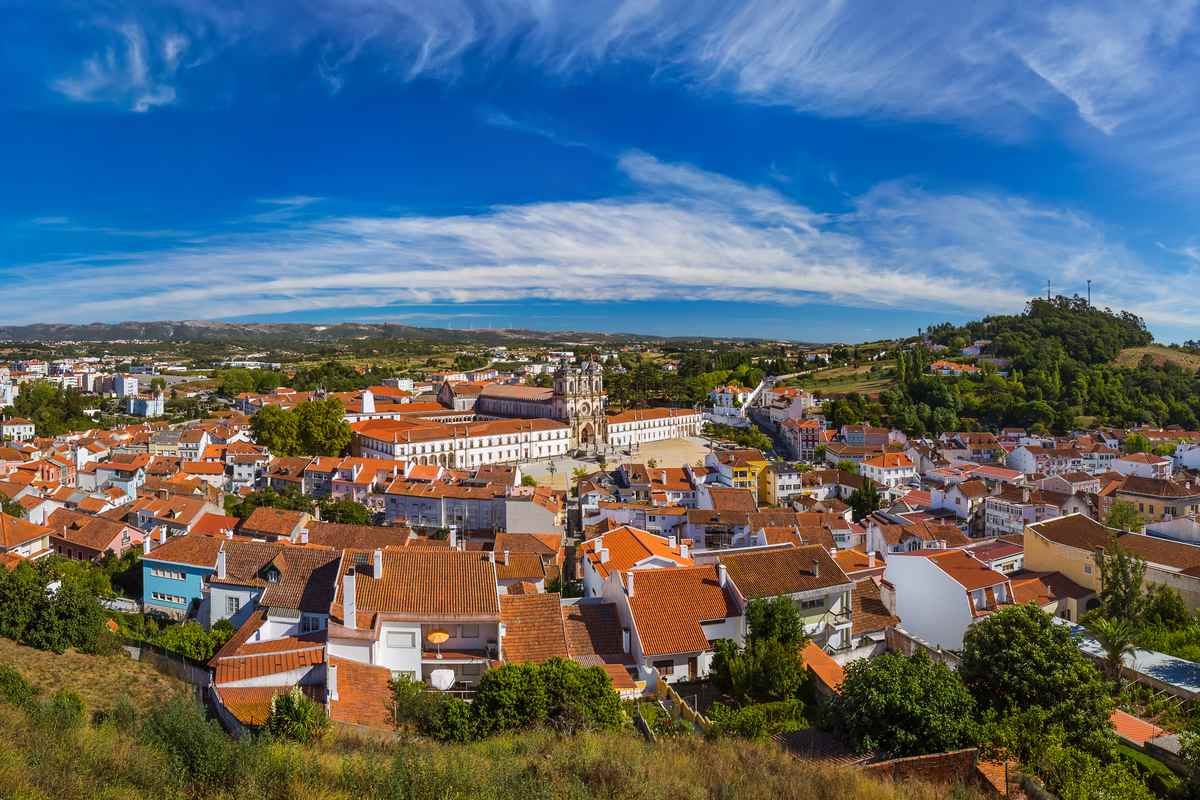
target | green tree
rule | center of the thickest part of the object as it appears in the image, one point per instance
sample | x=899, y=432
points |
x=322, y=427
x=1135, y=443
x=1164, y=608
x=1017, y=659
x=1124, y=516
x=528, y=480
x=904, y=706
x=277, y=429
x=510, y=697
x=450, y=720
x=578, y=697
x=777, y=619
x=1121, y=575
x=345, y=511
x=158, y=384
x=1116, y=637
x=12, y=508
x=297, y=717
x=865, y=500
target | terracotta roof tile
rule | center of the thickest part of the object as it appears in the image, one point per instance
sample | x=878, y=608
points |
x=669, y=605
x=533, y=627
x=783, y=571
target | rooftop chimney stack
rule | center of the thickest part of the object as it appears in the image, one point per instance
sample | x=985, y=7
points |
x=349, y=606
x=331, y=688
x=229, y=533
x=162, y=534
x=629, y=584
x=870, y=559
x=222, y=566
x=816, y=568
x=506, y=557
x=683, y=550
x=672, y=542
x=453, y=537
x=368, y=402
x=603, y=552
x=722, y=575
x=146, y=542
x=304, y=536
x=491, y=556
x=378, y=563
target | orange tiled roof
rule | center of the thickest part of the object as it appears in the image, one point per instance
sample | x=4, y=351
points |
x=533, y=627
x=669, y=605
x=15, y=532
x=422, y=582
x=627, y=546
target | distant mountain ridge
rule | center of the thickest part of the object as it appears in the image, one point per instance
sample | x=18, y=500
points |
x=208, y=330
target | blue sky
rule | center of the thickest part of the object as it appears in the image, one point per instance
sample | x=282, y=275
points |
x=837, y=171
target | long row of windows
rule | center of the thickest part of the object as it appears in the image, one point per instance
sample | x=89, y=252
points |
x=169, y=598
x=169, y=574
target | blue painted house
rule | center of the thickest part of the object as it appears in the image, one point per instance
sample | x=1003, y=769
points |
x=174, y=574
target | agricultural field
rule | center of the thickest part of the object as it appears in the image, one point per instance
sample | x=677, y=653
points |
x=868, y=379
x=1132, y=356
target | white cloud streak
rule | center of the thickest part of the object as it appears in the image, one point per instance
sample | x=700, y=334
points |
x=684, y=234
x=1127, y=74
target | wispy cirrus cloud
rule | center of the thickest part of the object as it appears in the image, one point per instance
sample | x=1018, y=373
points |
x=133, y=69
x=1114, y=75
x=682, y=234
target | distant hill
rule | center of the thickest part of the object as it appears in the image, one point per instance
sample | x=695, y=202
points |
x=282, y=333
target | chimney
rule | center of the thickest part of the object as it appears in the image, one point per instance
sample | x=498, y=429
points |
x=683, y=550
x=146, y=541
x=506, y=557
x=368, y=402
x=162, y=534
x=603, y=555
x=833, y=552
x=816, y=568
x=222, y=568
x=629, y=584
x=304, y=536
x=349, y=606
x=331, y=689
x=491, y=556
x=229, y=533
x=453, y=537
x=377, y=570
x=625, y=640
x=671, y=542
x=722, y=575
x=870, y=559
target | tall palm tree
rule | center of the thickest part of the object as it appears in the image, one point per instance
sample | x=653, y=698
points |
x=1116, y=637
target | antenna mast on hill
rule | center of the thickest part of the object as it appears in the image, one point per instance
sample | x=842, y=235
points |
x=1047, y=289
x=1089, y=292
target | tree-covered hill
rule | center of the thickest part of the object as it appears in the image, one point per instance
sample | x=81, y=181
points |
x=1058, y=356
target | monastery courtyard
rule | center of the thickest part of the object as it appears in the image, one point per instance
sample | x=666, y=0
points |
x=666, y=453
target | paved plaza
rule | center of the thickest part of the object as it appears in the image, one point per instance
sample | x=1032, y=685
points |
x=667, y=453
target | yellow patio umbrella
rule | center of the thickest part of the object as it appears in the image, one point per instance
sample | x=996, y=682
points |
x=438, y=637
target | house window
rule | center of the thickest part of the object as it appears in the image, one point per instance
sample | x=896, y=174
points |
x=232, y=605
x=664, y=668
x=810, y=604
x=469, y=632
x=401, y=640
x=310, y=623
x=169, y=598
x=169, y=574
x=1087, y=569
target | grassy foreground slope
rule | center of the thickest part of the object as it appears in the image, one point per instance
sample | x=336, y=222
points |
x=165, y=750
x=98, y=680
x=38, y=762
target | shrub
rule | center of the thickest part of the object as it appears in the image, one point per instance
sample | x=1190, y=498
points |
x=748, y=722
x=510, y=697
x=197, y=746
x=449, y=719
x=63, y=711
x=579, y=697
x=904, y=706
x=298, y=717
x=410, y=701
x=14, y=689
